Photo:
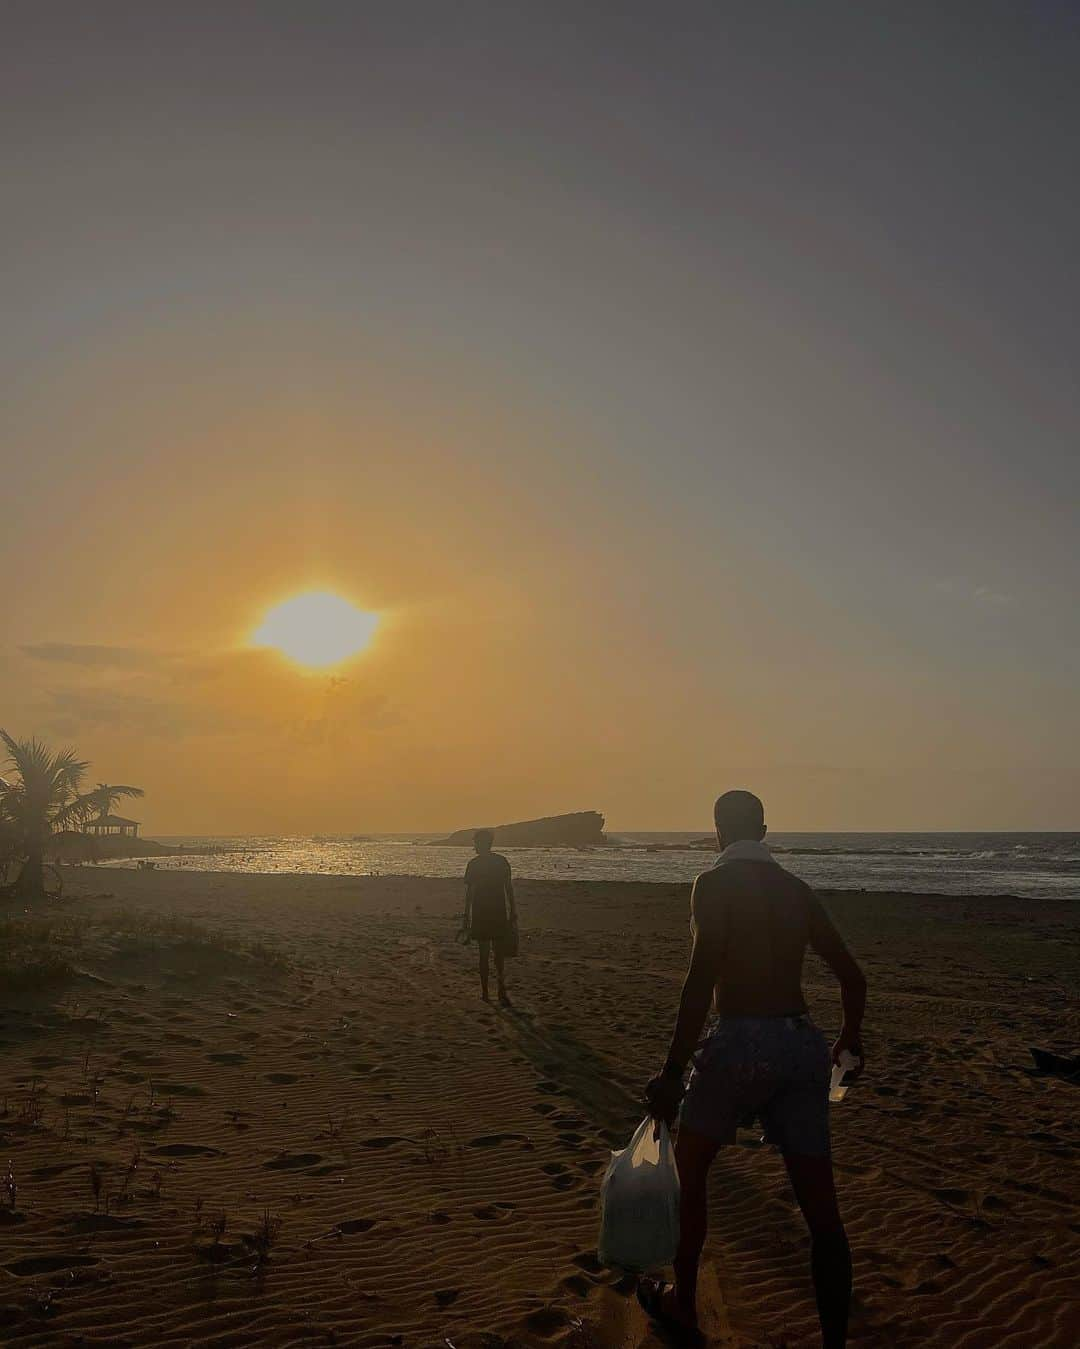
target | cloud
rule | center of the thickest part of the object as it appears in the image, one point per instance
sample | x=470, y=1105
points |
x=72, y=710
x=95, y=657
x=981, y=596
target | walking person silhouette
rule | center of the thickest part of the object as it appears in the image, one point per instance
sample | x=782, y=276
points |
x=490, y=910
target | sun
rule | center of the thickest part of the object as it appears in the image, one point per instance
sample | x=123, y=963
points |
x=316, y=629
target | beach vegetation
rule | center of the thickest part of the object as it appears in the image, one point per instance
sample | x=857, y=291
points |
x=41, y=949
x=44, y=796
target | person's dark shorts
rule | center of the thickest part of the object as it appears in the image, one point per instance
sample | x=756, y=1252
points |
x=490, y=921
x=776, y=1069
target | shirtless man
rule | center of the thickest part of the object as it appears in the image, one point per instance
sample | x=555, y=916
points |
x=751, y=923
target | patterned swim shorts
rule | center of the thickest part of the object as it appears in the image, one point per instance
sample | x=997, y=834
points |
x=773, y=1068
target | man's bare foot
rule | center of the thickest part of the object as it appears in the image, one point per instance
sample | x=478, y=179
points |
x=504, y=998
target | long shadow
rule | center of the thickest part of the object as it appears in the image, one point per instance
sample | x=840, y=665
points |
x=578, y=1071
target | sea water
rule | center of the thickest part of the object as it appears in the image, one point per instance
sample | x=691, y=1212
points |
x=1027, y=865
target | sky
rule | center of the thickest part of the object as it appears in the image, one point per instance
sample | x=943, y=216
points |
x=689, y=389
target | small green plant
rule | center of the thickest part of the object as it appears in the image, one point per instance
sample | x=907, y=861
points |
x=265, y=1235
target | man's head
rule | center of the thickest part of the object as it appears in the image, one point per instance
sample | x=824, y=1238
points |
x=483, y=839
x=739, y=815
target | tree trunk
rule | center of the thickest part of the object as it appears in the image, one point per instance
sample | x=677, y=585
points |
x=31, y=882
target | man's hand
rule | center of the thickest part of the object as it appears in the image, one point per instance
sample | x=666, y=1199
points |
x=663, y=1096
x=853, y=1044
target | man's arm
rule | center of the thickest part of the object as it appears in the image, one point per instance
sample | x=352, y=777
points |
x=665, y=1090
x=467, y=916
x=829, y=945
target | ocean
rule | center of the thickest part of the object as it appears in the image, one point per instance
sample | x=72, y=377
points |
x=1027, y=865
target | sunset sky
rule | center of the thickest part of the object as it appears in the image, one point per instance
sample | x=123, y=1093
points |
x=690, y=390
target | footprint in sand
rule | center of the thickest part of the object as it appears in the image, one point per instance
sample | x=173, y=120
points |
x=545, y=1108
x=445, y=1296
x=106, y=1222
x=165, y=1089
x=439, y=1216
x=546, y=1321
x=351, y=1225
x=577, y=1284
x=282, y=1079
x=493, y=1140
x=490, y=1212
x=553, y=1169
x=30, y=1265
x=185, y=1150
x=229, y=1057
x=952, y=1196
x=51, y=1172
x=571, y=1140
x=47, y=1061
x=292, y=1161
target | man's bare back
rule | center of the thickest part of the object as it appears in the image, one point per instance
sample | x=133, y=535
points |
x=755, y=921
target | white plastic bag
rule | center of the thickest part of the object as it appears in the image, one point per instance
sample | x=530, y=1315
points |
x=639, y=1203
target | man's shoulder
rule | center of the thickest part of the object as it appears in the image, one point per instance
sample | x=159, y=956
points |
x=745, y=874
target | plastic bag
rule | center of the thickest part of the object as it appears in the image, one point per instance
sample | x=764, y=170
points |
x=639, y=1203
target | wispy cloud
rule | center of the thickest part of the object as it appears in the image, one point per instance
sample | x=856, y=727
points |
x=72, y=710
x=169, y=695
x=91, y=657
x=981, y=596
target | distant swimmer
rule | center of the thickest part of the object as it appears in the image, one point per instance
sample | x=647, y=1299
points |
x=490, y=911
x=751, y=923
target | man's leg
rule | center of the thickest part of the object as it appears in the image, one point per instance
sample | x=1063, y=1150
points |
x=484, y=946
x=500, y=972
x=694, y=1154
x=830, y=1254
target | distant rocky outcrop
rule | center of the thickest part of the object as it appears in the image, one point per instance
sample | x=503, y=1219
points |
x=72, y=846
x=577, y=830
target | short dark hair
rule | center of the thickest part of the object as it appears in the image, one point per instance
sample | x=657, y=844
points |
x=483, y=839
x=739, y=814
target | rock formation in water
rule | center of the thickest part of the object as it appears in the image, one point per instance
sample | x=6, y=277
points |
x=577, y=830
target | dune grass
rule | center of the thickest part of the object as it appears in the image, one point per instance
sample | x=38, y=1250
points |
x=41, y=950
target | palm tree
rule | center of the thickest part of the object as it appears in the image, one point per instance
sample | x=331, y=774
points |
x=45, y=800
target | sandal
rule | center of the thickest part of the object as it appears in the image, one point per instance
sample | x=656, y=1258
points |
x=650, y=1293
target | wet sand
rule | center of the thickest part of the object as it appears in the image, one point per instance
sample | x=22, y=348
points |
x=328, y=1139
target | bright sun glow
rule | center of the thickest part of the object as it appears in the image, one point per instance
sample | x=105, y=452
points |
x=316, y=629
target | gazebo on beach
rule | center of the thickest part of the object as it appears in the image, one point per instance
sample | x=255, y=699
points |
x=112, y=826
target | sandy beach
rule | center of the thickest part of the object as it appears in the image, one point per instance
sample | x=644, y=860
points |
x=273, y=1110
